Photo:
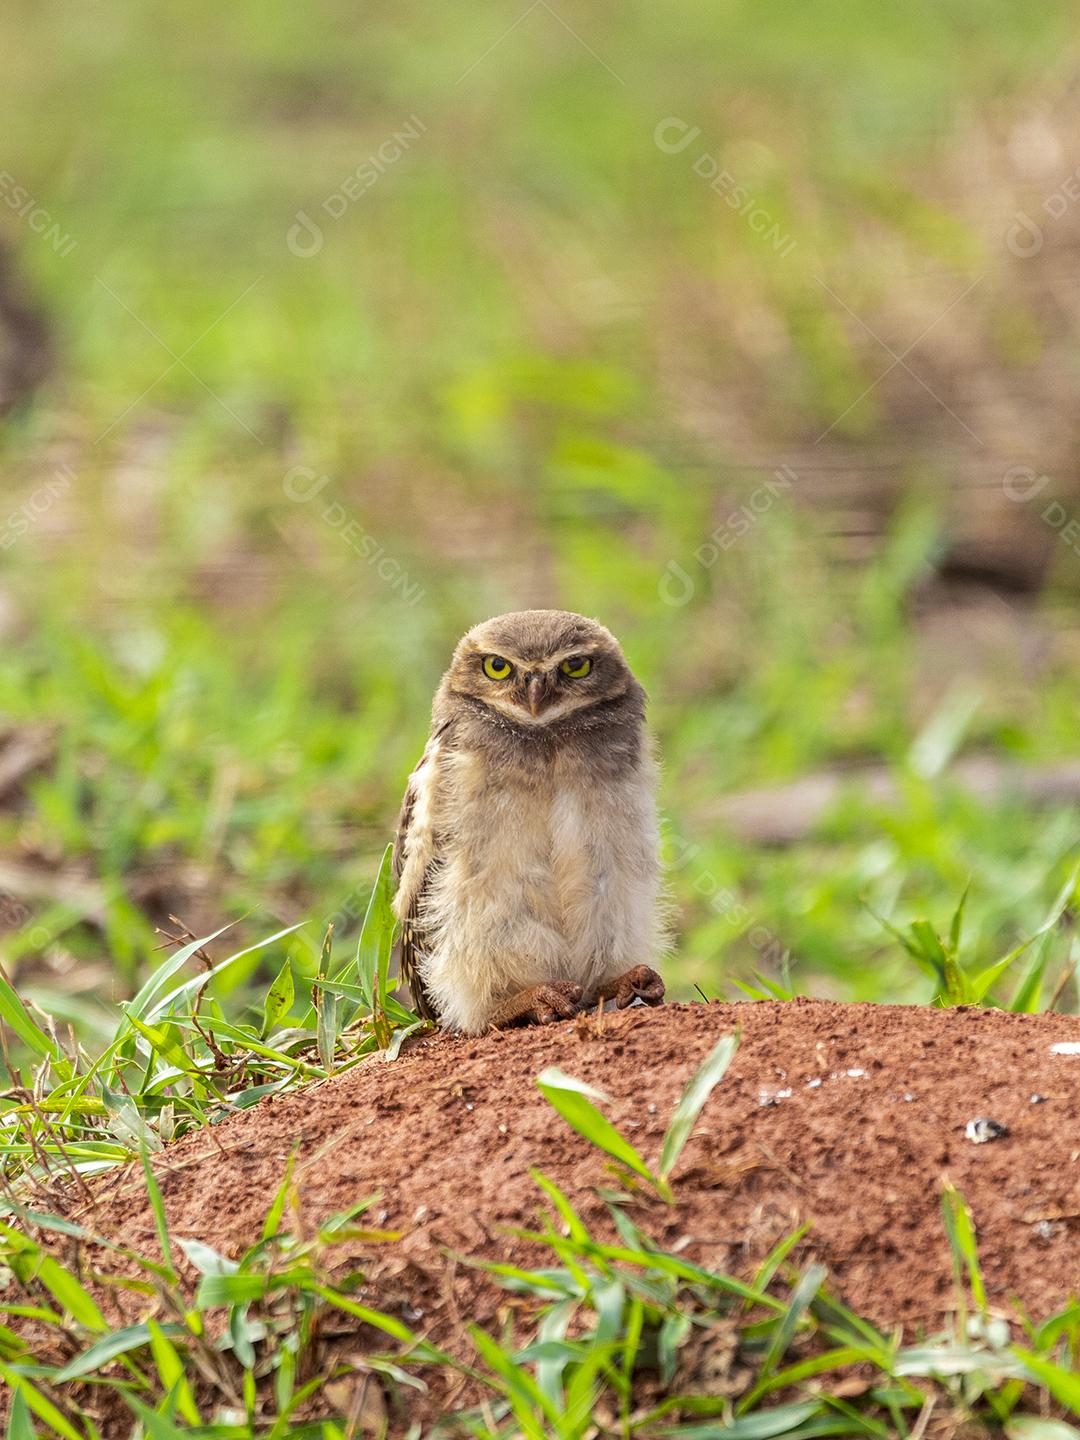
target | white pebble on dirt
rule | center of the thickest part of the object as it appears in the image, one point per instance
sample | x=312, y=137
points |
x=1066, y=1047
x=773, y=1097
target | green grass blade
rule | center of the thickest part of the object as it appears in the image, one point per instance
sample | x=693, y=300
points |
x=943, y=962
x=782, y=1420
x=575, y=1226
x=326, y=1008
x=898, y=935
x=15, y=1014
x=279, y=999
x=528, y=1400
x=828, y=1360
x=218, y=1291
x=117, y=1342
x=1064, y=1385
x=162, y=1042
x=377, y=933
x=700, y=1086
x=956, y=927
x=393, y=1050
x=776, y=1257
x=1035, y=1427
x=38, y=1403
x=573, y=1100
x=549, y=1371
x=70, y=1294
x=960, y=1229
x=801, y=1299
x=19, y=1426
x=197, y=981
x=140, y=1005
x=1062, y=901
x=681, y=1269
x=272, y=1223
x=982, y=983
x=157, y=1204
x=387, y=1323
x=171, y=1372
x=1029, y=991
x=155, y=1425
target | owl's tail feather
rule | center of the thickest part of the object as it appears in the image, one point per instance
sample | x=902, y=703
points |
x=409, y=970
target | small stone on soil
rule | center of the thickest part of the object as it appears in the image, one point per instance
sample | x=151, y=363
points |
x=982, y=1130
x=773, y=1097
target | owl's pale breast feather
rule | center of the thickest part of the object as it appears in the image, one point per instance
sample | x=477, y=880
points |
x=514, y=875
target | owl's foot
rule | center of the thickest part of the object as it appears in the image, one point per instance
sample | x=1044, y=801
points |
x=639, y=983
x=539, y=1005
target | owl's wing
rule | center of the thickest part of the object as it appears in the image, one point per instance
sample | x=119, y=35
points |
x=414, y=862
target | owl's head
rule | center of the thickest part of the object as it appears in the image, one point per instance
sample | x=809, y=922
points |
x=537, y=667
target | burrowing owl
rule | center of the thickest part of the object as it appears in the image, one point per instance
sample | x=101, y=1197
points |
x=526, y=856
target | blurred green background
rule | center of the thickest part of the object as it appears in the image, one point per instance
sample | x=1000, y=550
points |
x=329, y=331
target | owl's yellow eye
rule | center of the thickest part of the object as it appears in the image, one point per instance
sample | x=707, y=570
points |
x=577, y=666
x=496, y=668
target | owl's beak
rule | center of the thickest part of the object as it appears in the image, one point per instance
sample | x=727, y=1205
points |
x=535, y=692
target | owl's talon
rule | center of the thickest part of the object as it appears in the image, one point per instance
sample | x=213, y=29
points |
x=640, y=982
x=557, y=1001
x=540, y=1005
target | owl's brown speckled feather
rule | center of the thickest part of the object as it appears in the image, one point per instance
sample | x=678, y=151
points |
x=409, y=951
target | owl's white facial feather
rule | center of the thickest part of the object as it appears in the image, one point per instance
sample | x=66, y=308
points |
x=523, y=716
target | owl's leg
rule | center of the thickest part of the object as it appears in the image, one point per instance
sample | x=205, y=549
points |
x=639, y=983
x=539, y=1005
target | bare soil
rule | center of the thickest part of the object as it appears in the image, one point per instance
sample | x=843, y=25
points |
x=847, y=1116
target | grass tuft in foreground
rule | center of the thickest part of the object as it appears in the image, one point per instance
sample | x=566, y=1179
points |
x=620, y=1337
x=176, y=1061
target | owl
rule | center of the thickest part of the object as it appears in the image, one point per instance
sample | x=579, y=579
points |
x=526, y=860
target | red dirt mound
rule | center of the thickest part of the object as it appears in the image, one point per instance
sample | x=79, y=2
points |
x=849, y=1116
